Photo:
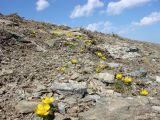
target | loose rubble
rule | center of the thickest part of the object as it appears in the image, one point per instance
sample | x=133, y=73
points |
x=78, y=67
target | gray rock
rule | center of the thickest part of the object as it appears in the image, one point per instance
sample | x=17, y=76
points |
x=120, y=50
x=138, y=73
x=72, y=86
x=156, y=108
x=61, y=107
x=6, y=72
x=105, y=77
x=74, y=76
x=40, y=49
x=158, y=79
x=114, y=65
x=87, y=70
x=92, y=97
x=59, y=116
x=7, y=22
x=26, y=106
x=118, y=108
x=82, y=78
x=70, y=100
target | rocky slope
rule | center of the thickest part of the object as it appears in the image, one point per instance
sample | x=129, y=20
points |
x=40, y=59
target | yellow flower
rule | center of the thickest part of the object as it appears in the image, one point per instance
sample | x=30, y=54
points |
x=79, y=37
x=88, y=42
x=144, y=92
x=42, y=109
x=47, y=100
x=70, y=35
x=100, y=67
x=119, y=76
x=74, y=61
x=127, y=79
x=99, y=54
x=103, y=58
x=62, y=69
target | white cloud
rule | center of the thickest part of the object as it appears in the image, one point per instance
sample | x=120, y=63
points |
x=154, y=17
x=105, y=27
x=115, y=8
x=86, y=9
x=41, y=5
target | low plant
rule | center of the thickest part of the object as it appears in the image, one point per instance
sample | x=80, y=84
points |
x=144, y=92
x=45, y=109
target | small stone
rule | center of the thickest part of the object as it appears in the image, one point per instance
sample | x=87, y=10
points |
x=92, y=97
x=158, y=79
x=70, y=100
x=26, y=106
x=87, y=70
x=109, y=92
x=74, y=76
x=73, y=111
x=40, y=49
x=59, y=116
x=61, y=108
x=156, y=108
x=114, y=65
x=105, y=77
x=6, y=72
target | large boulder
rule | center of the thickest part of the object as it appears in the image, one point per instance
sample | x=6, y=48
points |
x=118, y=108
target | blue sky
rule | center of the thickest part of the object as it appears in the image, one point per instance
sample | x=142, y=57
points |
x=135, y=19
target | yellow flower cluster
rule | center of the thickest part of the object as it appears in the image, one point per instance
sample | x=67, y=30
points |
x=70, y=35
x=74, y=61
x=100, y=55
x=43, y=109
x=62, y=69
x=144, y=92
x=119, y=76
x=125, y=79
x=88, y=42
x=100, y=67
x=79, y=37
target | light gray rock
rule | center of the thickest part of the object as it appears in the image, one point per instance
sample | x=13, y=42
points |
x=138, y=73
x=40, y=49
x=59, y=116
x=6, y=72
x=72, y=86
x=114, y=65
x=26, y=106
x=61, y=108
x=120, y=50
x=74, y=76
x=158, y=79
x=105, y=77
x=70, y=100
x=92, y=97
x=156, y=108
x=7, y=22
x=87, y=70
x=118, y=108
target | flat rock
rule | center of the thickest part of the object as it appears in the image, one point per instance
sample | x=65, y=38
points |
x=158, y=79
x=74, y=76
x=118, y=108
x=138, y=73
x=6, y=72
x=105, y=77
x=26, y=106
x=72, y=86
x=123, y=51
